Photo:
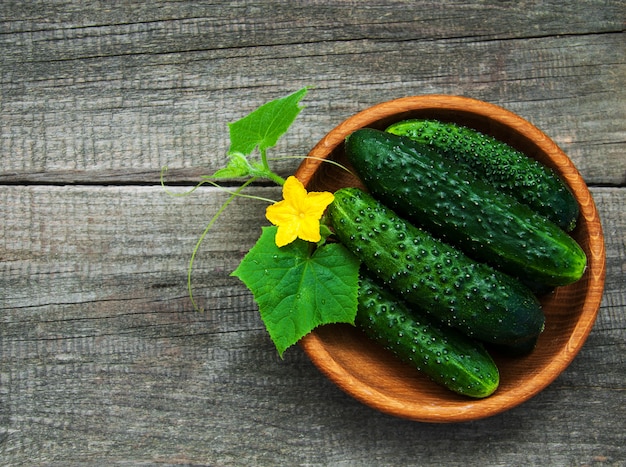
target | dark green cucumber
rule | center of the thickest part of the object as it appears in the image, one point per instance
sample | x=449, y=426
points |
x=517, y=350
x=496, y=162
x=448, y=357
x=478, y=300
x=440, y=195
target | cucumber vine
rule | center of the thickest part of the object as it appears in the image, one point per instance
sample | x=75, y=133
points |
x=297, y=279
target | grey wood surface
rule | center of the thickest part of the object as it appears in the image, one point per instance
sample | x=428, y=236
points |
x=102, y=359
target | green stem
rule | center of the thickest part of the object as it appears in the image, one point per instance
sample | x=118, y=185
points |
x=321, y=159
x=266, y=164
x=177, y=195
x=238, y=193
x=204, y=234
x=268, y=172
x=275, y=178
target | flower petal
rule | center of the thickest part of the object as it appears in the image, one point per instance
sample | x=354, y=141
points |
x=294, y=192
x=285, y=234
x=280, y=213
x=299, y=213
x=309, y=229
x=317, y=202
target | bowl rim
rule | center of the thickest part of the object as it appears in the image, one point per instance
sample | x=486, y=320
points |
x=474, y=409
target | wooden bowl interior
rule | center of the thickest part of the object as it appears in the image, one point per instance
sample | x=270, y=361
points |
x=376, y=378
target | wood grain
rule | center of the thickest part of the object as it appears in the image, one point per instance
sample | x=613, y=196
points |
x=120, y=100
x=102, y=359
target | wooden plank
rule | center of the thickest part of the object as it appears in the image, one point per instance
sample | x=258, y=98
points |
x=158, y=26
x=103, y=359
x=120, y=100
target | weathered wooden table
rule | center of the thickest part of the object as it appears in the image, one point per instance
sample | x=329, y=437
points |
x=103, y=360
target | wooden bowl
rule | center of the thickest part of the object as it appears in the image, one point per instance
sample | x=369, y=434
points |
x=372, y=375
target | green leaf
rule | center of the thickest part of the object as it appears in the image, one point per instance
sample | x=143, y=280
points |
x=264, y=126
x=297, y=291
x=237, y=167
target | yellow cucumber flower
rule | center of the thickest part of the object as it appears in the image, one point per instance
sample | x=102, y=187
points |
x=298, y=214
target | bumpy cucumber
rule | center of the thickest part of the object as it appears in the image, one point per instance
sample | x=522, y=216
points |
x=478, y=300
x=448, y=357
x=490, y=226
x=496, y=162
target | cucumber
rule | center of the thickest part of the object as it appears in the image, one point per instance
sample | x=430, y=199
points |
x=440, y=195
x=496, y=162
x=518, y=349
x=448, y=357
x=483, y=303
